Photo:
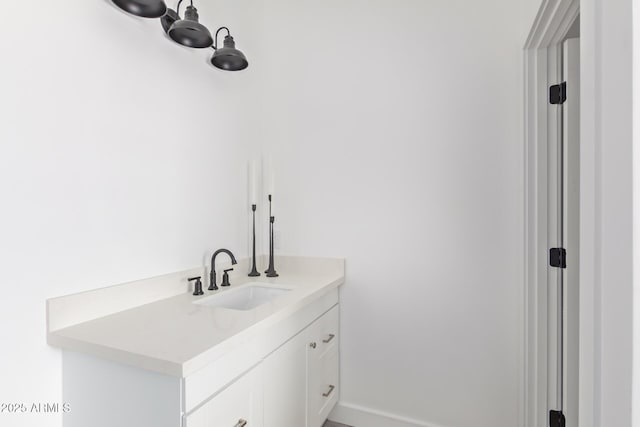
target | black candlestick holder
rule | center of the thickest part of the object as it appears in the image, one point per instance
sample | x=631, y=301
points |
x=254, y=270
x=271, y=271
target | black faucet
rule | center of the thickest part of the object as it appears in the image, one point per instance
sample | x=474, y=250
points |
x=212, y=276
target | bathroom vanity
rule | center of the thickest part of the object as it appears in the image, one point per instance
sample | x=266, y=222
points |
x=261, y=353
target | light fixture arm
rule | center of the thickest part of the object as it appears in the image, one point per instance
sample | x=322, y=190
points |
x=178, y=7
x=215, y=44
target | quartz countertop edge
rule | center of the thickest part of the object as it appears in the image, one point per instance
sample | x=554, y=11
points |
x=187, y=346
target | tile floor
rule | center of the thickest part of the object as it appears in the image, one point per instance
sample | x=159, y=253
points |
x=332, y=424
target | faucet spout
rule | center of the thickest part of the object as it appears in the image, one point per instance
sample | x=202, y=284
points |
x=212, y=276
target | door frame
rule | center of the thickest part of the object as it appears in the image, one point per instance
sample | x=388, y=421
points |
x=541, y=68
x=606, y=207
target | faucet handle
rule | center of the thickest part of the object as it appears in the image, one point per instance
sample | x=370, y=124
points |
x=197, y=288
x=225, y=277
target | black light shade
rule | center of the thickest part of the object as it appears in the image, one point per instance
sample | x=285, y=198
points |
x=168, y=19
x=229, y=58
x=189, y=32
x=143, y=8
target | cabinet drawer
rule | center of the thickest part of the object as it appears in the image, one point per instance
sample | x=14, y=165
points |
x=324, y=388
x=324, y=333
x=238, y=405
x=323, y=364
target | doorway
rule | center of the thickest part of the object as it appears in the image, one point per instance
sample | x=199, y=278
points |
x=563, y=273
x=552, y=298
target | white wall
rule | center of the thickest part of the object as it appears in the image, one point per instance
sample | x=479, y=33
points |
x=122, y=156
x=397, y=130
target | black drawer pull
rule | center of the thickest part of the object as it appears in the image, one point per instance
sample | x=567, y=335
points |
x=331, y=388
x=328, y=340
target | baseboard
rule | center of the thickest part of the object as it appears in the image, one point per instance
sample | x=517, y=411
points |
x=360, y=416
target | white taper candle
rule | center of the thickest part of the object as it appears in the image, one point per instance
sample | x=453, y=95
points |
x=253, y=182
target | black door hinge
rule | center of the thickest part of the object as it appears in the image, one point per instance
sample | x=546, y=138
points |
x=558, y=257
x=556, y=419
x=558, y=93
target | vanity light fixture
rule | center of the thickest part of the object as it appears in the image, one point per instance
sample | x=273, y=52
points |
x=228, y=58
x=143, y=8
x=188, y=31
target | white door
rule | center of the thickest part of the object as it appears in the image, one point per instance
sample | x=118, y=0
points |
x=564, y=227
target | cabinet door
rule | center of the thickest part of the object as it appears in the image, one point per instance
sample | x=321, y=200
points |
x=322, y=367
x=238, y=405
x=285, y=385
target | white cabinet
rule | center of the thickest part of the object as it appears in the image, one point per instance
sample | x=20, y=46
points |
x=302, y=377
x=287, y=376
x=322, y=368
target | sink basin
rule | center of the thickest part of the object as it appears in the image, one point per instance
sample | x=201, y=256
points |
x=245, y=298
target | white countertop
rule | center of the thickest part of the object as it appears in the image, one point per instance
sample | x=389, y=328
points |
x=174, y=336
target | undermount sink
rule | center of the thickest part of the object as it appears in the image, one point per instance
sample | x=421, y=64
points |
x=247, y=297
